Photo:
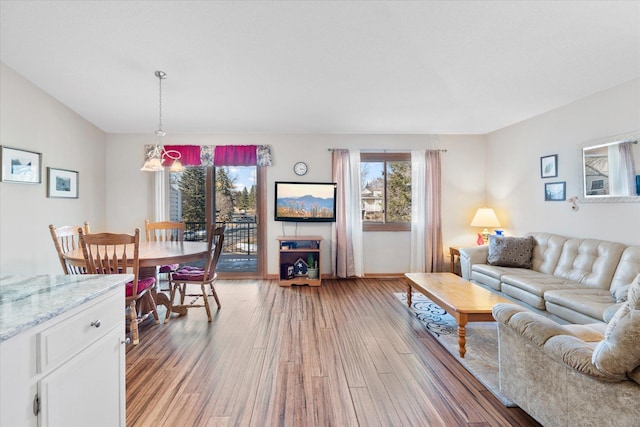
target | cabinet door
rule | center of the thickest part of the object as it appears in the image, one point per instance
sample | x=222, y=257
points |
x=89, y=389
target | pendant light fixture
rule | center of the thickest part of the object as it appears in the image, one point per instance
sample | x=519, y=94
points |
x=154, y=161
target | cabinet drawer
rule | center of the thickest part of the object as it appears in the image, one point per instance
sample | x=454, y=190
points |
x=67, y=338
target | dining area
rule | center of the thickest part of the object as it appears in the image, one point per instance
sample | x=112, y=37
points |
x=167, y=270
x=64, y=337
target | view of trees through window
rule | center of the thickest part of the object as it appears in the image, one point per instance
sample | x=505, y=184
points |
x=234, y=189
x=233, y=198
x=385, y=185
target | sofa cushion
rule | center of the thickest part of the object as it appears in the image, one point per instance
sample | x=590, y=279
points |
x=590, y=302
x=510, y=251
x=619, y=352
x=538, y=284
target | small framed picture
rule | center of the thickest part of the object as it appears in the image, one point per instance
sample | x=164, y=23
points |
x=62, y=183
x=549, y=166
x=555, y=191
x=20, y=165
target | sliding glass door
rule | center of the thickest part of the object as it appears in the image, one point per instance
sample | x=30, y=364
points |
x=229, y=195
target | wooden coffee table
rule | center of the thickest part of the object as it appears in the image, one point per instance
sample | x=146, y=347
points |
x=465, y=301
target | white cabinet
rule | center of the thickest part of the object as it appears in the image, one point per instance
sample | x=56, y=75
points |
x=68, y=371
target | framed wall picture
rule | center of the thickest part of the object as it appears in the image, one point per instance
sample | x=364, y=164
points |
x=555, y=191
x=62, y=183
x=20, y=165
x=549, y=166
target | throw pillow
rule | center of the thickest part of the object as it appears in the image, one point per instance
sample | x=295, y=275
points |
x=511, y=251
x=619, y=352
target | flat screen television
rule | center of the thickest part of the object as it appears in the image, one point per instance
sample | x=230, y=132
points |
x=305, y=201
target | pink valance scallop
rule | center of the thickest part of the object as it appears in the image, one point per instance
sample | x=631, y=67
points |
x=189, y=155
x=235, y=155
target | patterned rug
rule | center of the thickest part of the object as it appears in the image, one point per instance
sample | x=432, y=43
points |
x=481, y=358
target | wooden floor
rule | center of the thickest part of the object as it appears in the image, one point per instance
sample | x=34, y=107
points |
x=344, y=354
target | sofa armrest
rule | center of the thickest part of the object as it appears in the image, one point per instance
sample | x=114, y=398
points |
x=532, y=326
x=553, y=339
x=472, y=255
x=576, y=354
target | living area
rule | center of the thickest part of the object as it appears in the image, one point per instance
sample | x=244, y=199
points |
x=571, y=97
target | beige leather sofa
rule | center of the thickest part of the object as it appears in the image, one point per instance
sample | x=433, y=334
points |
x=578, y=280
x=572, y=375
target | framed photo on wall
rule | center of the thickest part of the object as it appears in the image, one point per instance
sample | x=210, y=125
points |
x=62, y=183
x=20, y=166
x=555, y=191
x=549, y=166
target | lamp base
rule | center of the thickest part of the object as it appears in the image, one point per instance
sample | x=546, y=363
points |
x=485, y=236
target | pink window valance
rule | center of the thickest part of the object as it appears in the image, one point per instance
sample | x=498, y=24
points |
x=235, y=155
x=203, y=155
x=189, y=155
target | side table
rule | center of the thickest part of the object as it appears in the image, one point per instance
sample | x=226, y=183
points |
x=454, y=251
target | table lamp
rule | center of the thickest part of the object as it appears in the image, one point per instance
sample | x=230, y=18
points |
x=485, y=217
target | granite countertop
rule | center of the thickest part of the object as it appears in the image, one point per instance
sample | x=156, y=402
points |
x=26, y=301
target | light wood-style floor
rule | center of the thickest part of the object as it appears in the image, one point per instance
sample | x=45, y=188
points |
x=344, y=354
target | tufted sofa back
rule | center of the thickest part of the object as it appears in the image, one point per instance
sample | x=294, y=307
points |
x=546, y=252
x=590, y=262
x=628, y=267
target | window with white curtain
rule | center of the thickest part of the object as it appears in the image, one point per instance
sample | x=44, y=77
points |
x=385, y=185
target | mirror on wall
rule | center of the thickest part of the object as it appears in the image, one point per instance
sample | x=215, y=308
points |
x=611, y=169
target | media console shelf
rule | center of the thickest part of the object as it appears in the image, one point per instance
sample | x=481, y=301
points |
x=295, y=253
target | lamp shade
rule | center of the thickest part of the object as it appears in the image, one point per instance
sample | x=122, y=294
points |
x=485, y=217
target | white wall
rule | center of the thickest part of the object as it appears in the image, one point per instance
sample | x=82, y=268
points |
x=514, y=186
x=385, y=253
x=115, y=195
x=32, y=120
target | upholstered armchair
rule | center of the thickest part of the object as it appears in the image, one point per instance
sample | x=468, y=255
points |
x=572, y=374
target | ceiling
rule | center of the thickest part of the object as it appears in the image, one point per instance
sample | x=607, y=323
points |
x=320, y=66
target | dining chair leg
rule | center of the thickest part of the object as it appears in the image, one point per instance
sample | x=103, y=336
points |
x=205, y=297
x=215, y=294
x=154, y=309
x=183, y=291
x=133, y=322
x=172, y=294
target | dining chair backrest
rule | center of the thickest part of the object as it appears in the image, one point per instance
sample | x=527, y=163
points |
x=111, y=253
x=215, y=241
x=164, y=231
x=66, y=238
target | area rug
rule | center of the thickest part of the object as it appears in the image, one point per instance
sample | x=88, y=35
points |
x=481, y=358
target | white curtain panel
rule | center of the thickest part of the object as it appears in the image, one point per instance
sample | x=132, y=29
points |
x=346, y=244
x=622, y=170
x=418, y=211
x=160, y=191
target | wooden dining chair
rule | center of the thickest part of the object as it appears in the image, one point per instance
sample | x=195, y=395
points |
x=66, y=239
x=189, y=276
x=109, y=253
x=164, y=231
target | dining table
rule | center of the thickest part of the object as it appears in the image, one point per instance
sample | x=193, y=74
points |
x=153, y=254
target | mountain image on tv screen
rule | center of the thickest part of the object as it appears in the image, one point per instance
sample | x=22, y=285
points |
x=306, y=206
x=305, y=201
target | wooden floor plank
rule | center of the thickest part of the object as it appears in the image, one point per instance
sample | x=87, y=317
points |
x=347, y=353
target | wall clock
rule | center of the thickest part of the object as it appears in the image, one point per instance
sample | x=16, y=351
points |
x=300, y=168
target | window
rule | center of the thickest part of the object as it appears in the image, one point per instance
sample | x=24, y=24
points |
x=385, y=185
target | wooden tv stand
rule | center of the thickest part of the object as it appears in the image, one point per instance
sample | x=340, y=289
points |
x=294, y=252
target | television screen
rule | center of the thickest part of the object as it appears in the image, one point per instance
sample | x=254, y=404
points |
x=305, y=201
